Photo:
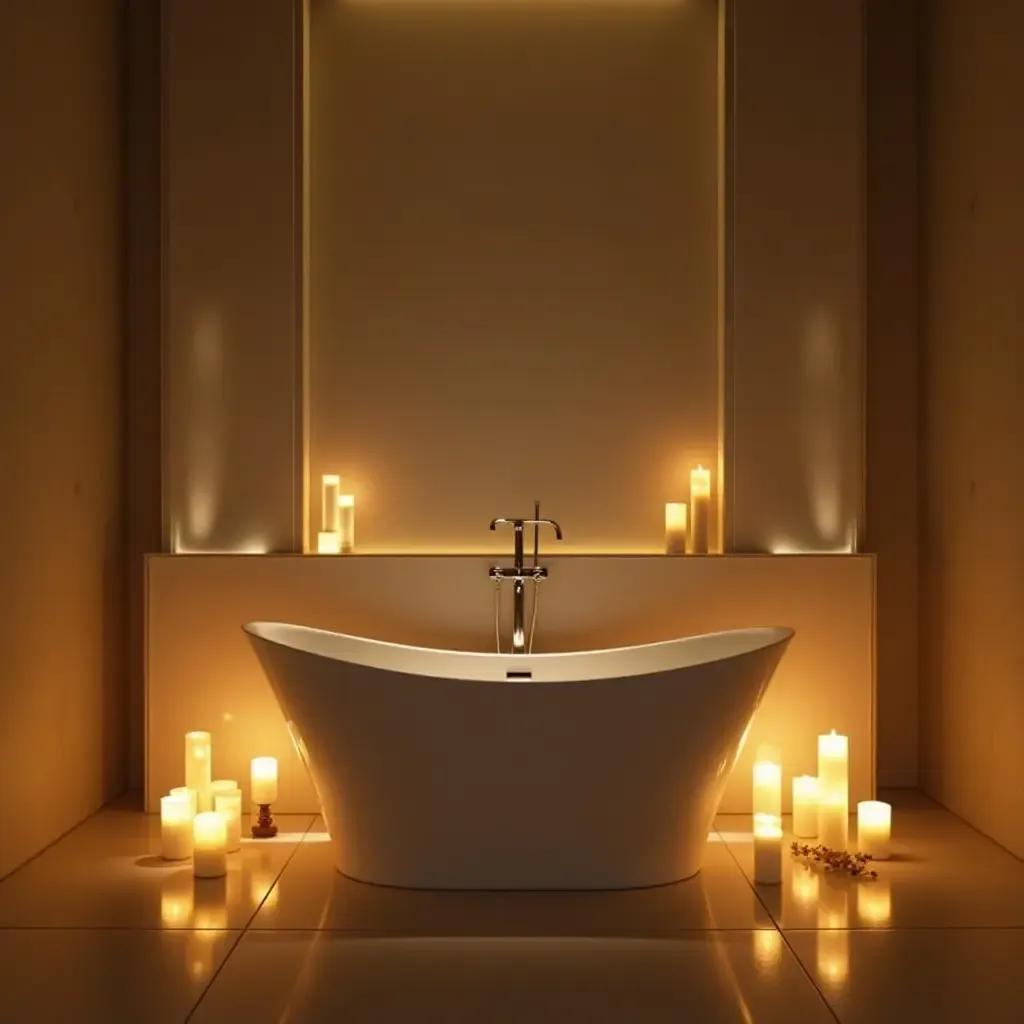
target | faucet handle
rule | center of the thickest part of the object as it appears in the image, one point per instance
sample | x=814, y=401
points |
x=501, y=521
x=545, y=522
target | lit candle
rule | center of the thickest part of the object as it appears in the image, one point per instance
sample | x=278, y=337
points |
x=175, y=827
x=229, y=803
x=190, y=795
x=264, y=780
x=197, y=767
x=222, y=786
x=805, y=806
x=874, y=820
x=767, y=849
x=328, y=543
x=768, y=782
x=700, y=509
x=210, y=833
x=675, y=527
x=330, y=484
x=833, y=790
x=346, y=522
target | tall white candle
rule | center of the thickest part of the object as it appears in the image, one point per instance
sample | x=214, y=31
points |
x=700, y=509
x=805, y=806
x=264, y=780
x=768, y=783
x=833, y=790
x=874, y=821
x=767, y=849
x=197, y=767
x=675, y=527
x=209, y=832
x=191, y=796
x=346, y=522
x=330, y=483
x=229, y=803
x=175, y=827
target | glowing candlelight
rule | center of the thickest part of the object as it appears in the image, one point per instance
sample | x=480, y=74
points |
x=210, y=833
x=229, y=803
x=346, y=522
x=874, y=821
x=175, y=827
x=328, y=543
x=191, y=796
x=197, y=767
x=805, y=806
x=768, y=782
x=264, y=780
x=833, y=790
x=330, y=485
x=767, y=849
x=700, y=509
x=675, y=527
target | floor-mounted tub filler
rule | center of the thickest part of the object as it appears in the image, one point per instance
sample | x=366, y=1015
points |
x=456, y=770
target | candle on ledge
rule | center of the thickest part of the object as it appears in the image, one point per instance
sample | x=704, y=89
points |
x=191, y=796
x=210, y=833
x=874, y=822
x=328, y=543
x=228, y=802
x=700, y=509
x=346, y=522
x=175, y=827
x=197, y=767
x=330, y=485
x=768, y=782
x=805, y=806
x=675, y=527
x=833, y=790
x=767, y=849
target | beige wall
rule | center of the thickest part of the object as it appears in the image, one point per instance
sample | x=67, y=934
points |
x=513, y=265
x=973, y=582
x=62, y=693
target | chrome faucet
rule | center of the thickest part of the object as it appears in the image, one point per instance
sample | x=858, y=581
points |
x=520, y=573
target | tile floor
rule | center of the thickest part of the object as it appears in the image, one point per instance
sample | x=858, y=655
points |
x=99, y=929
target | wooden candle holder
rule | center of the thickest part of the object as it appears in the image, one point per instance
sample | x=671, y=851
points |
x=264, y=827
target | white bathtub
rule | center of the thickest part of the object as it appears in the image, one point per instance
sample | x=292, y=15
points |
x=435, y=770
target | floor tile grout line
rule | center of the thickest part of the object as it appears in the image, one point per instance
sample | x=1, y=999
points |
x=778, y=927
x=242, y=933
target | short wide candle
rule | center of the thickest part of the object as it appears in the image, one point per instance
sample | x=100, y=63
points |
x=210, y=832
x=833, y=790
x=805, y=806
x=175, y=827
x=767, y=849
x=874, y=821
x=264, y=780
x=190, y=795
x=229, y=803
x=197, y=767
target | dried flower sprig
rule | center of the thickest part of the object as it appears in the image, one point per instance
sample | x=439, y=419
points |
x=855, y=864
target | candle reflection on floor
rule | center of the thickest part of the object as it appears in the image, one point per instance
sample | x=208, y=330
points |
x=874, y=902
x=833, y=941
x=767, y=950
x=804, y=885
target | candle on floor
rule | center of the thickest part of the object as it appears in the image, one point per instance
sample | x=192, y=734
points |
x=197, y=767
x=222, y=786
x=675, y=527
x=264, y=780
x=768, y=782
x=874, y=821
x=229, y=803
x=346, y=522
x=833, y=790
x=805, y=806
x=191, y=796
x=328, y=543
x=700, y=509
x=330, y=484
x=210, y=833
x=175, y=827
x=767, y=849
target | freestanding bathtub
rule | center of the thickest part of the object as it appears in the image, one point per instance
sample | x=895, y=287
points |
x=455, y=770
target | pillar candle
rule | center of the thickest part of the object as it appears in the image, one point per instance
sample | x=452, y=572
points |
x=264, y=780
x=805, y=806
x=346, y=522
x=223, y=786
x=330, y=483
x=229, y=803
x=175, y=827
x=210, y=833
x=191, y=796
x=833, y=790
x=328, y=543
x=767, y=849
x=197, y=767
x=700, y=509
x=874, y=820
x=768, y=782
x=675, y=527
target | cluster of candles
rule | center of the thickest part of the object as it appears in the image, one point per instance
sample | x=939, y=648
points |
x=337, y=534
x=203, y=818
x=687, y=527
x=820, y=808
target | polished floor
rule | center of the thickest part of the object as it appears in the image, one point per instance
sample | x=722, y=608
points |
x=97, y=928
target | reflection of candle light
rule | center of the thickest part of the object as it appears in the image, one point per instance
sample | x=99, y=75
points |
x=767, y=849
x=874, y=902
x=700, y=509
x=767, y=950
x=833, y=957
x=805, y=886
x=197, y=767
x=675, y=527
x=175, y=908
